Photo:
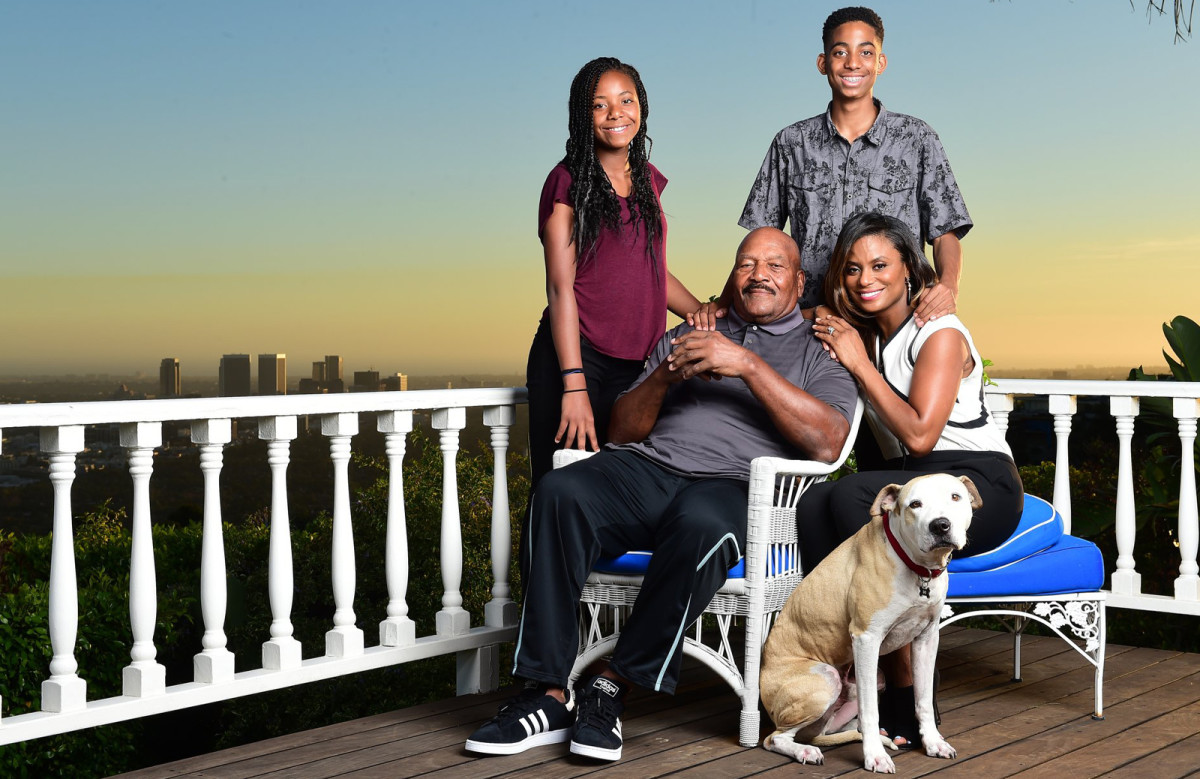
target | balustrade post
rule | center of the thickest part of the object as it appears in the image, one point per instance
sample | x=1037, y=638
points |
x=397, y=629
x=282, y=651
x=214, y=664
x=1187, y=585
x=143, y=676
x=64, y=690
x=1000, y=406
x=1125, y=579
x=500, y=611
x=1063, y=408
x=452, y=620
x=346, y=638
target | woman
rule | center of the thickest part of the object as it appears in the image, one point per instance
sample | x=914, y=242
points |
x=925, y=404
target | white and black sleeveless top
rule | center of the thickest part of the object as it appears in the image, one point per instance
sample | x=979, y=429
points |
x=970, y=426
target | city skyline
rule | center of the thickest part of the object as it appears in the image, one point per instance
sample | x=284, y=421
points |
x=363, y=179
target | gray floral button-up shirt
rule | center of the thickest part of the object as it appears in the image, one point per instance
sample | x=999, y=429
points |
x=816, y=180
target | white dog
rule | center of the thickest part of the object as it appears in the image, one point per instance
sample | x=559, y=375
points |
x=878, y=591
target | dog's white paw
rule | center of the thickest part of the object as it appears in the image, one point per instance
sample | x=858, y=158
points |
x=939, y=748
x=878, y=762
x=809, y=755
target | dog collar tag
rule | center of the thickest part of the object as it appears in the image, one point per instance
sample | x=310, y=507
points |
x=924, y=575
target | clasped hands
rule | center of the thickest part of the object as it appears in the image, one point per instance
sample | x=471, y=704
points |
x=707, y=354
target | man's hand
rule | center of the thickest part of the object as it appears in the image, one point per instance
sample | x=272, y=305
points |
x=707, y=353
x=938, y=300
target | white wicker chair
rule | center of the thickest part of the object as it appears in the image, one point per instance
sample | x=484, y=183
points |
x=772, y=571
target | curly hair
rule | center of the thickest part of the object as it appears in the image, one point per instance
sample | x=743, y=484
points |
x=592, y=196
x=855, y=13
x=860, y=226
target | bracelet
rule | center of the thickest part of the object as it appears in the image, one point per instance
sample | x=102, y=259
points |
x=569, y=371
x=581, y=389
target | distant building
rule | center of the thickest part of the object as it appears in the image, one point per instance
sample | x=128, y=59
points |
x=318, y=374
x=234, y=375
x=272, y=374
x=170, y=382
x=398, y=382
x=310, y=387
x=333, y=374
x=366, y=381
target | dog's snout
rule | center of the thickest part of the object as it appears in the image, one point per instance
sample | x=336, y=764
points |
x=939, y=526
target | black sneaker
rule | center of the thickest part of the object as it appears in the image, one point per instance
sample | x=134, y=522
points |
x=531, y=719
x=597, y=729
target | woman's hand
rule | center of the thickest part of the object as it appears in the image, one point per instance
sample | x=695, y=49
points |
x=577, y=427
x=843, y=342
x=705, y=317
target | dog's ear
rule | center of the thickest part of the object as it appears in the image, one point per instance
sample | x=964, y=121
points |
x=976, y=501
x=886, y=500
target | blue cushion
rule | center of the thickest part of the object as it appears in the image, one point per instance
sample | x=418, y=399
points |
x=1071, y=565
x=635, y=564
x=1040, y=528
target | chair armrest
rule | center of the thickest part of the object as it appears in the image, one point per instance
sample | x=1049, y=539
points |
x=563, y=457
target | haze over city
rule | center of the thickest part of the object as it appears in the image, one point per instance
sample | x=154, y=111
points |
x=362, y=179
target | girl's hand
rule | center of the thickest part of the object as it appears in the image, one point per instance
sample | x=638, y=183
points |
x=705, y=317
x=843, y=343
x=577, y=428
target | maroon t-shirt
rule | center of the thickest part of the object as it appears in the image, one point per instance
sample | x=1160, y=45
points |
x=622, y=299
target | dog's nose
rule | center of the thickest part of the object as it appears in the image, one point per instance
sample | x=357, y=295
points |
x=939, y=526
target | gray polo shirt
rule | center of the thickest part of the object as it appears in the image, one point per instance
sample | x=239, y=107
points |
x=815, y=180
x=715, y=428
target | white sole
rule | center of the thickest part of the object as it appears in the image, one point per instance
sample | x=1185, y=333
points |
x=599, y=753
x=537, y=740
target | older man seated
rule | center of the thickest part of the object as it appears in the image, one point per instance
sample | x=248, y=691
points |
x=673, y=480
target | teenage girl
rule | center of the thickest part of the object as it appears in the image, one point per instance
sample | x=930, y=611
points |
x=607, y=285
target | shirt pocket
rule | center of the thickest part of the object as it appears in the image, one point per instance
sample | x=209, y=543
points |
x=892, y=193
x=818, y=193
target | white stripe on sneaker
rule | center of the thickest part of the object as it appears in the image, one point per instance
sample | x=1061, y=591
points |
x=545, y=722
x=528, y=730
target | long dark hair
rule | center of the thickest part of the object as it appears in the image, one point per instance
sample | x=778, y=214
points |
x=596, y=204
x=920, y=272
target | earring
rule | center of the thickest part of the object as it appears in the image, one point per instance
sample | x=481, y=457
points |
x=908, y=286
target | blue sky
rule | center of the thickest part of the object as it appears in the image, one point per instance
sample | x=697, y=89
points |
x=190, y=179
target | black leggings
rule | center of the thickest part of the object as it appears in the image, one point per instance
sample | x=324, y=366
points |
x=830, y=512
x=607, y=377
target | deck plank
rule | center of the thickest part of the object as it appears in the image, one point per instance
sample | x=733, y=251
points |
x=1038, y=726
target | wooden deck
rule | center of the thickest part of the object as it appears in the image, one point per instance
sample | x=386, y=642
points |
x=1038, y=727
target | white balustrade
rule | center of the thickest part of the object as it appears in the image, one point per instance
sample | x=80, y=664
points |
x=64, y=690
x=1125, y=579
x=500, y=611
x=213, y=665
x=397, y=629
x=282, y=651
x=346, y=638
x=143, y=677
x=64, y=694
x=1063, y=409
x=452, y=620
x=1187, y=585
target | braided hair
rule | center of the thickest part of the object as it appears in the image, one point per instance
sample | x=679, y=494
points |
x=595, y=202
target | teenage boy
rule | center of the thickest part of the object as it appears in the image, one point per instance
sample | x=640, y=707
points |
x=855, y=157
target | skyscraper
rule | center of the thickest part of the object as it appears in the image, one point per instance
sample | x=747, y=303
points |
x=396, y=383
x=272, y=374
x=235, y=375
x=318, y=374
x=170, y=381
x=333, y=373
x=366, y=381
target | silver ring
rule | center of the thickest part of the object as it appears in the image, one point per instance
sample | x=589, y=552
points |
x=831, y=329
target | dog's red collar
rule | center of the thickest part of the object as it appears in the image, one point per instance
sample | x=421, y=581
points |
x=919, y=570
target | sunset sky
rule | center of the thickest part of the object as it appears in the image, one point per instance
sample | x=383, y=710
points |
x=361, y=178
